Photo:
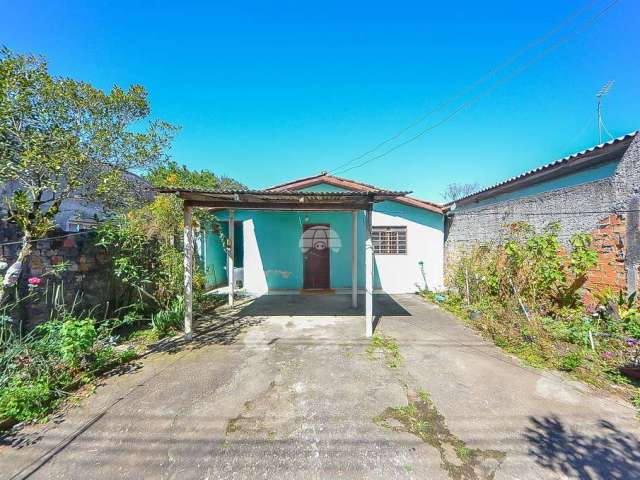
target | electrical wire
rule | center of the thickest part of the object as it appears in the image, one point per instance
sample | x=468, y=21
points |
x=586, y=126
x=490, y=89
x=583, y=212
x=469, y=88
x=606, y=129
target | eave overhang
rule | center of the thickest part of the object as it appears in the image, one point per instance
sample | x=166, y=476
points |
x=281, y=200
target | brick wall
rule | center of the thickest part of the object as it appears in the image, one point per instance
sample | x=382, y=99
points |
x=609, y=240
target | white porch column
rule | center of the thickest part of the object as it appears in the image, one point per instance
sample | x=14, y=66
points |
x=368, y=260
x=354, y=259
x=230, y=253
x=188, y=272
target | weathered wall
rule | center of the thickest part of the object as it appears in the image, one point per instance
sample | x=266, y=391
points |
x=616, y=234
x=86, y=275
x=273, y=258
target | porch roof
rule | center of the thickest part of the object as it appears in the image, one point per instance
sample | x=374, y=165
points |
x=281, y=199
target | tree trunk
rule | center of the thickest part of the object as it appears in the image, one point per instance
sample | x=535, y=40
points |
x=12, y=275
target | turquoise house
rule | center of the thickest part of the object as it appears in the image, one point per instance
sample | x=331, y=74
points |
x=289, y=251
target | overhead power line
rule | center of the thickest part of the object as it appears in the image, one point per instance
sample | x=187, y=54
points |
x=493, y=86
x=469, y=88
x=603, y=91
x=534, y=214
x=496, y=237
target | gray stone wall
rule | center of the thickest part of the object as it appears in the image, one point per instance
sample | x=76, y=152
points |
x=619, y=194
x=86, y=278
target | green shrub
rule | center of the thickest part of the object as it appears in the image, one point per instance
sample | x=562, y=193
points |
x=26, y=399
x=128, y=355
x=76, y=339
x=166, y=321
x=633, y=327
x=39, y=368
x=148, y=266
x=102, y=358
x=570, y=362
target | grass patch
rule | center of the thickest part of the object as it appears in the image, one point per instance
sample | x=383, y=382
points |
x=144, y=335
x=424, y=395
x=463, y=452
x=570, y=362
x=128, y=355
x=387, y=347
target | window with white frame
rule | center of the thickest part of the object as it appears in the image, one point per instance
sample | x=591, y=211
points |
x=389, y=240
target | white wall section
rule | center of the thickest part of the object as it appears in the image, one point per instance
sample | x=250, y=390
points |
x=402, y=273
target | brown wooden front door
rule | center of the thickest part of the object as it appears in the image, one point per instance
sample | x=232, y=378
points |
x=315, y=252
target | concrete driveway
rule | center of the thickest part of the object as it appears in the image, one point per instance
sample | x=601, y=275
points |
x=286, y=386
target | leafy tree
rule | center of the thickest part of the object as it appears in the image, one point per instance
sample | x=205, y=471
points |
x=163, y=217
x=64, y=139
x=174, y=175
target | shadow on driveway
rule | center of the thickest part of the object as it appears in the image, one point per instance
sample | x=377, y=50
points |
x=607, y=454
x=321, y=305
x=224, y=329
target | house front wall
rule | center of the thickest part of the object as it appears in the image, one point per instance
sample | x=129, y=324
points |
x=273, y=256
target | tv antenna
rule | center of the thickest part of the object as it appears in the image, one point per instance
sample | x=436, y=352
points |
x=603, y=91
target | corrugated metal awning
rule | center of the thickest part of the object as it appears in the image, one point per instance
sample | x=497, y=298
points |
x=282, y=199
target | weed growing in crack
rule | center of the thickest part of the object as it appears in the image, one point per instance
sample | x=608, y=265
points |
x=232, y=425
x=421, y=418
x=463, y=452
x=388, y=347
x=424, y=395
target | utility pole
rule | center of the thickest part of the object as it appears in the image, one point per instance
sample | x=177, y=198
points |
x=603, y=91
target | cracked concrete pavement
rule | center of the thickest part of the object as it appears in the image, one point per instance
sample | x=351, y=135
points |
x=283, y=386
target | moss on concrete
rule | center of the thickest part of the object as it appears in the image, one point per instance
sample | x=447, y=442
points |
x=421, y=418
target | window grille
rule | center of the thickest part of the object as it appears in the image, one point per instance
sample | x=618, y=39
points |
x=389, y=240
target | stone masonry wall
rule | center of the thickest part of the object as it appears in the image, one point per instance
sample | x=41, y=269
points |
x=86, y=274
x=616, y=235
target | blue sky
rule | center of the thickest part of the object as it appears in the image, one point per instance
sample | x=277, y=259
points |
x=266, y=92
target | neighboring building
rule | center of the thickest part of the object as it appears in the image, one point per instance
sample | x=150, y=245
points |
x=78, y=214
x=294, y=250
x=596, y=191
x=74, y=215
